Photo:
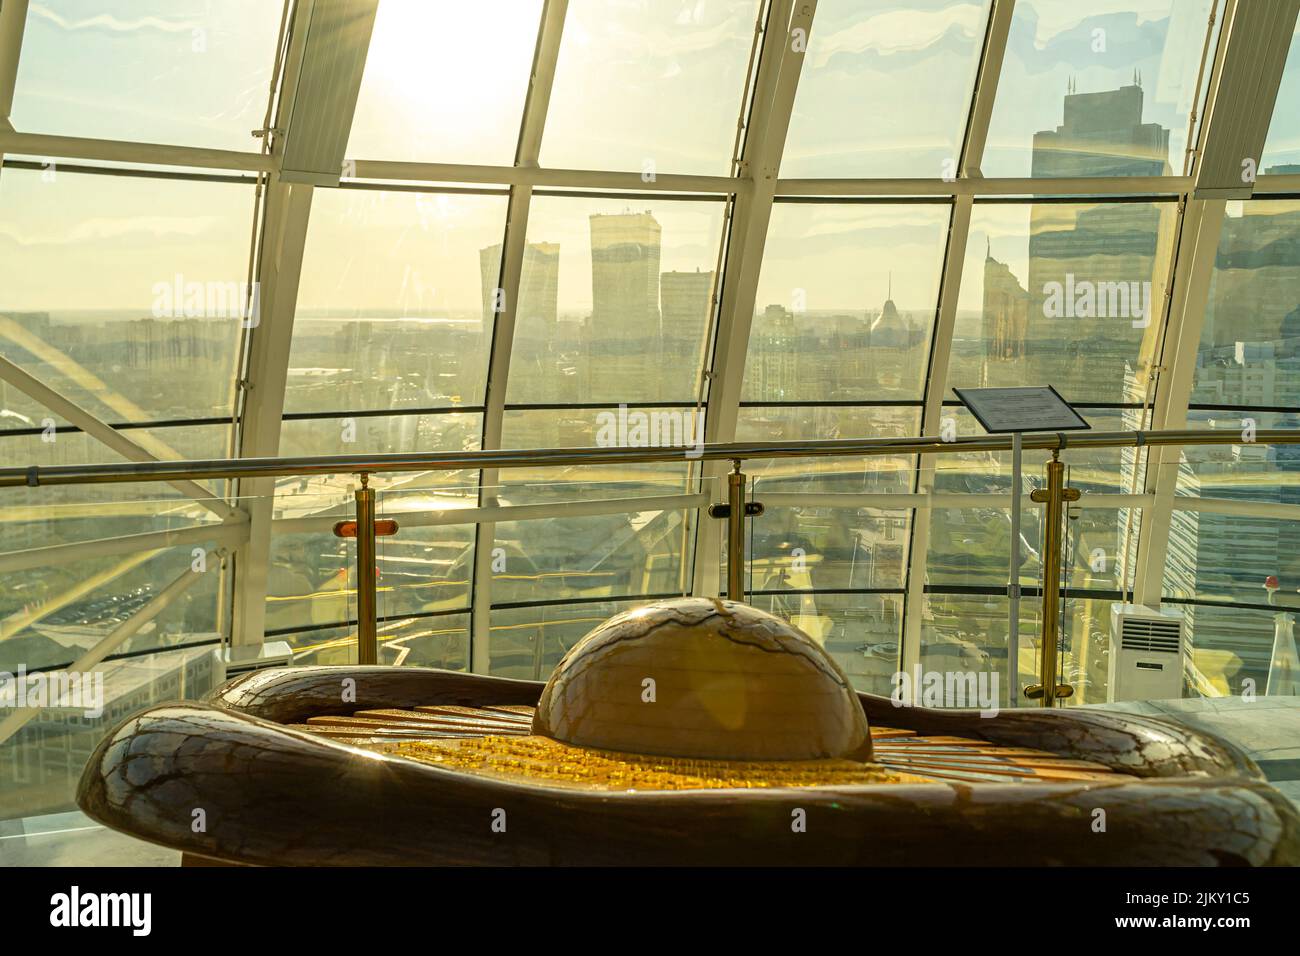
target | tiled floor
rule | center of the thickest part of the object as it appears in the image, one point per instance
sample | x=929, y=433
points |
x=1268, y=729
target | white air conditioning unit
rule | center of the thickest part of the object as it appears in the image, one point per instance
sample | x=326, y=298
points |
x=1147, y=654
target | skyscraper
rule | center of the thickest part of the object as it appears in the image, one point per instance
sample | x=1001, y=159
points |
x=539, y=283
x=685, y=298
x=625, y=250
x=1102, y=134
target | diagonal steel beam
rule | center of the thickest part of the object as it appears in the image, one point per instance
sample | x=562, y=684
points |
x=20, y=717
x=785, y=40
x=108, y=435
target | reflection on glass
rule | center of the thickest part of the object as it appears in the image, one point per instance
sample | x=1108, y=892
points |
x=860, y=631
x=440, y=640
x=885, y=474
x=58, y=612
x=846, y=302
x=425, y=568
x=591, y=556
x=614, y=301
x=63, y=514
x=527, y=642
x=1065, y=295
x=1250, y=343
x=391, y=312
x=380, y=434
x=445, y=82
x=183, y=72
x=125, y=295
x=885, y=89
x=649, y=87
x=41, y=765
x=1096, y=89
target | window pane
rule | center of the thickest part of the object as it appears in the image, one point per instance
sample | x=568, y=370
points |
x=1248, y=471
x=42, y=763
x=1096, y=89
x=889, y=474
x=650, y=87
x=967, y=634
x=860, y=631
x=1282, y=147
x=615, y=301
x=807, y=547
x=82, y=601
x=885, y=89
x=587, y=556
x=445, y=82
x=601, y=427
x=846, y=302
x=63, y=514
x=1250, y=343
x=391, y=309
x=527, y=642
x=438, y=641
x=1231, y=648
x=126, y=295
x=1063, y=294
x=184, y=72
x=380, y=434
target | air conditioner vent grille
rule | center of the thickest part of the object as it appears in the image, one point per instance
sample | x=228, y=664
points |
x=1144, y=634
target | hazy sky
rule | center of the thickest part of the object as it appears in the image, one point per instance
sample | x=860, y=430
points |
x=884, y=92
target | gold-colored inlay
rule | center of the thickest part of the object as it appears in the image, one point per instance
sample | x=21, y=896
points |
x=541, y=760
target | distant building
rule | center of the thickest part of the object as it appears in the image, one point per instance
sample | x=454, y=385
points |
x=539, y=284
x=625, y=252
x=1103, y=135
x=685, y=301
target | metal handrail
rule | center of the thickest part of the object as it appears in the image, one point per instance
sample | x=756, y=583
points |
x=735, y=511
x=198, y=469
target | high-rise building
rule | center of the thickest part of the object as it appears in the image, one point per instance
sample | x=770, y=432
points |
x=1102, y=134
x=1103, y=258
x=539, y=283
x=625, y=250
x=685, y=300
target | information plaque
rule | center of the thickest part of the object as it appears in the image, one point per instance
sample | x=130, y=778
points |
x=1026, y=409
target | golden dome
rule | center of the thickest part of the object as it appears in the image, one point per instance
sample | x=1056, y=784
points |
x=701, y=677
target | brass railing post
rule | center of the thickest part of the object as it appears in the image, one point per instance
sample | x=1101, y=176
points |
x=1054, y=495
x=367, y=633
x=736, y=533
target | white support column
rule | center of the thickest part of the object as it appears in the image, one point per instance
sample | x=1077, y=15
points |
x=780, y=65
x=936, y=386
x=931, y=423
x=288, y=207
x=1199, y=244
x=1251, y=56
x=986, y=88
x=513, y=245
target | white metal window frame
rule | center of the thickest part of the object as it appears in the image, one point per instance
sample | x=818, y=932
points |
x=246, y=524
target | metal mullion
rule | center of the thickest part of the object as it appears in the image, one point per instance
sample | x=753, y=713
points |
x=984, y=94
x=776, y=82
x=532, y=126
